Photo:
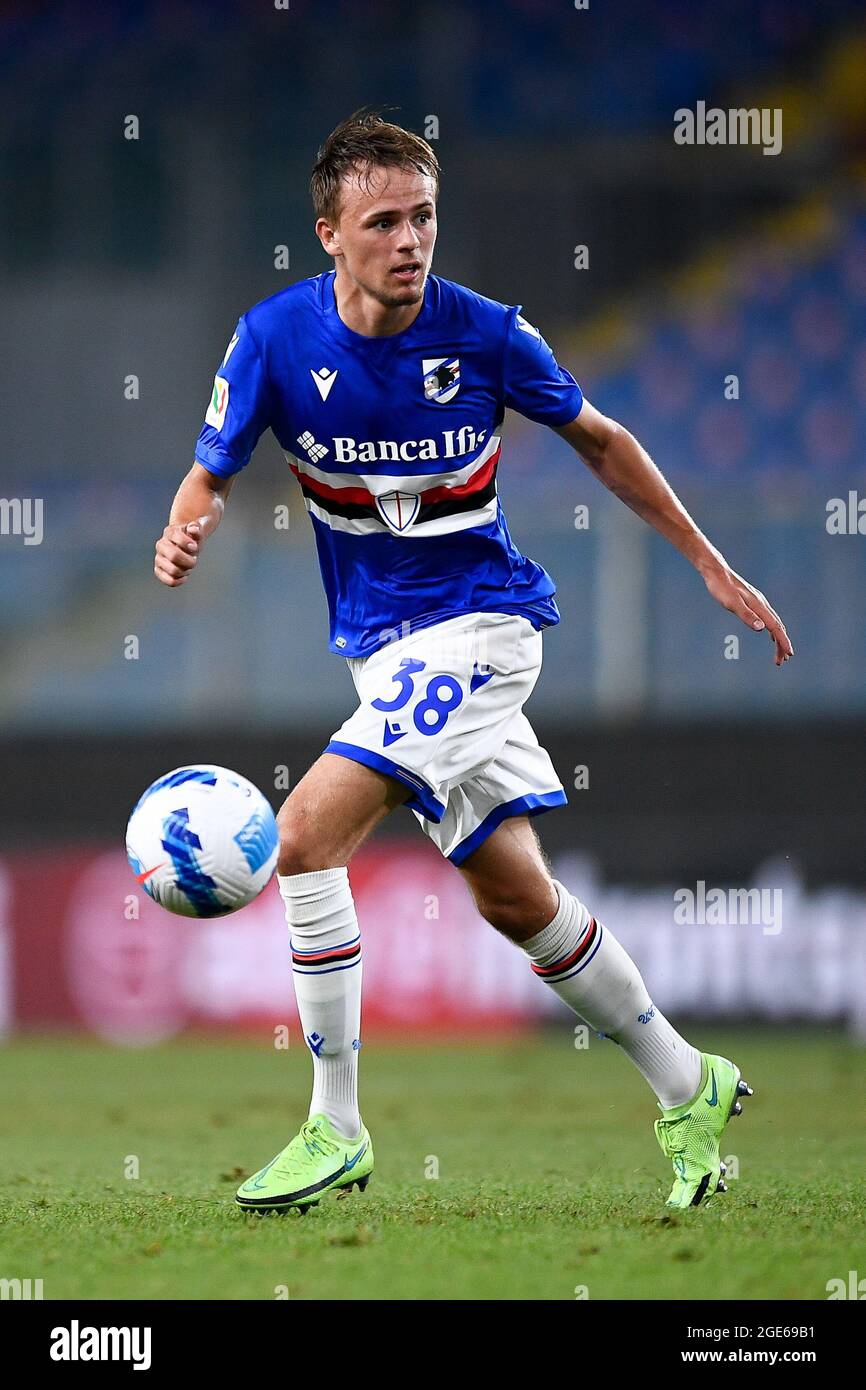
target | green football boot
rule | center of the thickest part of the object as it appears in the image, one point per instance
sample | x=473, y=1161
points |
x=318, y=1160
x=689, y=1134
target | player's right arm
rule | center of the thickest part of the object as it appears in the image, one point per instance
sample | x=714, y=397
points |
x=195, y=514
x=238, y=413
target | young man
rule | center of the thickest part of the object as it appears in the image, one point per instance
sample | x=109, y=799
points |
x=385, y=386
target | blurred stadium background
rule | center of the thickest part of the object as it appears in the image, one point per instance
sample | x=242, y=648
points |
x=132, y=258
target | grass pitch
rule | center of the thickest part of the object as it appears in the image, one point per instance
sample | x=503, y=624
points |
x=549, y=1177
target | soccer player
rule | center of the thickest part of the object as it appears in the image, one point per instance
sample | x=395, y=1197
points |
x=385, y=386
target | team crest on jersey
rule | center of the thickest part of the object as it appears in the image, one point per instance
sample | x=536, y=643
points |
x=216, y=411
x=441, y=378
x=398, y=510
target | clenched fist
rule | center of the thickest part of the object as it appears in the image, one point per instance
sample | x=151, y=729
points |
x=177, y=551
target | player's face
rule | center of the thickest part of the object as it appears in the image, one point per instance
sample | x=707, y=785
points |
x=386, y=233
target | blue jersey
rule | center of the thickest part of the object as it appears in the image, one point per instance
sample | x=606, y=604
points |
x=394, y=443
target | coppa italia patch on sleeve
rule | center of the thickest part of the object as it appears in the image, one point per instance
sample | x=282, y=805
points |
x=216, y=411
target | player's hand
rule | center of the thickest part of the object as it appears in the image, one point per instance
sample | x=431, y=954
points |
x=177, y=551
x=750, y=605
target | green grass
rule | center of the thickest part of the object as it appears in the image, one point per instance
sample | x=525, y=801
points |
x=549, y=1174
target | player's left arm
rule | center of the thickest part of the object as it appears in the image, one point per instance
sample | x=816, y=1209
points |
x=625, y=467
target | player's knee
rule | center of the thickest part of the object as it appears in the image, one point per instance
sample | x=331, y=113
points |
x=297, y=858
x=516, y=914
x=499, y=914
x=300, y=849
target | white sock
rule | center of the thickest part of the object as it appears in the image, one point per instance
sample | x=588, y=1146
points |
x=326, y=963
x=585, y=965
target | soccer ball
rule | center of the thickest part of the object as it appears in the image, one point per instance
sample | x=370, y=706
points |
x=202, y=841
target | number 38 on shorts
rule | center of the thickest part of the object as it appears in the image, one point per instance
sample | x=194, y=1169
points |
x=435, y=696
x=444, y=715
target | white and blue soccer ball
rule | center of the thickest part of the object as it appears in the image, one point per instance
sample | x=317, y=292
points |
x=202, y=841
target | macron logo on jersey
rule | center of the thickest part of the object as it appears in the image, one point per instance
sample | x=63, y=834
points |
x=324, y=379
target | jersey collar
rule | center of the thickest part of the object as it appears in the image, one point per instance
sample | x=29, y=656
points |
x=347, y=335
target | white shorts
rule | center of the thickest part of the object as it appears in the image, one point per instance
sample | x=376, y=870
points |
x=441, y=711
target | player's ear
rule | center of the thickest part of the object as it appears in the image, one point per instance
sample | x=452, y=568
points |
x=329, y=237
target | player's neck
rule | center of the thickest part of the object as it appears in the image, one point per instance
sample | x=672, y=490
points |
x=362, y=313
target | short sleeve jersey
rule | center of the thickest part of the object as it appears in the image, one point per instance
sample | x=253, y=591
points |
x=394, y=442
